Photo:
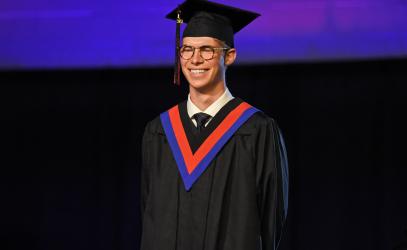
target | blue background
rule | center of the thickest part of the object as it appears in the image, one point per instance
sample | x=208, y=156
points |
x=124, y=33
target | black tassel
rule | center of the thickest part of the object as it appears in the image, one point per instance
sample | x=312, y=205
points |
x=177, y=69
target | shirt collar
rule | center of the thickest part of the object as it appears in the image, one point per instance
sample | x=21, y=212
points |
x=213, y=108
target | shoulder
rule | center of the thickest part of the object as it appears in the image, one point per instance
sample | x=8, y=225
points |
x=260, y=120
x=155, y=126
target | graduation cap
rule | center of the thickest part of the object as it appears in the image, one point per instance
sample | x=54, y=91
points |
x=205, y=18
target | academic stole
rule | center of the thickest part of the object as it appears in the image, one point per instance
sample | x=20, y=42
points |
x=192, y=165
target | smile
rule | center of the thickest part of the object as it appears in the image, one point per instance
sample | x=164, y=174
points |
x=198, y=71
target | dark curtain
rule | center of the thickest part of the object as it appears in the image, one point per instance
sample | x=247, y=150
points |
x=71, y=141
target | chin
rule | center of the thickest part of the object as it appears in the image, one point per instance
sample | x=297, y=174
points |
x=196, y=84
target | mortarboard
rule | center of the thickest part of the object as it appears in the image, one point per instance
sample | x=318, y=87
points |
x=205, y=18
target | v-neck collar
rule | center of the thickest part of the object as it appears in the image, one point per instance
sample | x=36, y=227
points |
x=194, y=152
x=196, y=138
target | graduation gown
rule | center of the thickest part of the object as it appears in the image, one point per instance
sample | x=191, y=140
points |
x=239, y=202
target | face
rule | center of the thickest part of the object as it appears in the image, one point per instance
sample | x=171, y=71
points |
x=204, y=75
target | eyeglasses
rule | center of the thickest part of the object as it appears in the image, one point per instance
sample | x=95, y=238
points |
x=206, y=52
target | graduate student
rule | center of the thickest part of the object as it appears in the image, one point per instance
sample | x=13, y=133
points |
x=214, y=173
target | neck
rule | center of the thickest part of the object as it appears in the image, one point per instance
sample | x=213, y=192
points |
x=203, y=99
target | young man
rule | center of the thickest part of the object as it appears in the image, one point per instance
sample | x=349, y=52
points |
x=214, y=174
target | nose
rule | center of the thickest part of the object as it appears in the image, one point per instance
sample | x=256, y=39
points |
x=197, y=58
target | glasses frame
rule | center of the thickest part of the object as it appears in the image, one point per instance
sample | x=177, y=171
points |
x=200, y=51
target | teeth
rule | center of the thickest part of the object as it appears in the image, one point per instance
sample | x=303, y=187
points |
x=197, y=71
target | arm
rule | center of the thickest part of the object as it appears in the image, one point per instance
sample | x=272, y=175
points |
x=144, y=176
x=272, y=185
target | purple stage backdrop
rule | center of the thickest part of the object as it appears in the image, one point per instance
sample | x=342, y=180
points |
x=134, y=33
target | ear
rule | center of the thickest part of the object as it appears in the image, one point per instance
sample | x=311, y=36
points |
x=230, y=56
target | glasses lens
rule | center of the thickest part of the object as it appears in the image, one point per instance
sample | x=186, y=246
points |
x=187, y=52
x=206, y=52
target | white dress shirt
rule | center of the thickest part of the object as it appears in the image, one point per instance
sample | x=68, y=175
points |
x=212, y=109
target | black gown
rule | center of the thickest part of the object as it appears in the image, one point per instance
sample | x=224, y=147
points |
x=238, y=203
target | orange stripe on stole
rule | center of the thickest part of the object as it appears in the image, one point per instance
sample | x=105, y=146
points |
x=192, y=160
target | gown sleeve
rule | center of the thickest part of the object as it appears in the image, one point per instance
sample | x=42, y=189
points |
x=145, y=176
x=272, y=187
